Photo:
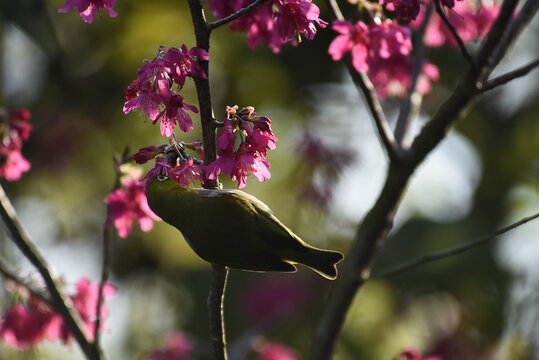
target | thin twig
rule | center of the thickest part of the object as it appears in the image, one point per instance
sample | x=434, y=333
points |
x=57, y=300
x=216, y=311
x=410, y=107
x=365, y=86
x=456, y=36
x=236, y=15
x=505, y=78
x=8, y=273
x=409, y=265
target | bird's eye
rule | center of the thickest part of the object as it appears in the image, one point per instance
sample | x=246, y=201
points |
x=162, y=177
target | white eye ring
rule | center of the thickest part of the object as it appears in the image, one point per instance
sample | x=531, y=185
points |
x=162, y=177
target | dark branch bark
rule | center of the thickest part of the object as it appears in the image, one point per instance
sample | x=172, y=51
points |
x=216, y=311
x=219, y=273
x=409, y=265
x=236, y=15
x=8, y=273
x=57, y=300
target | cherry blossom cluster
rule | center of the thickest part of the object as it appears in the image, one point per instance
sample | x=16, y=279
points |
x=255, y=138
x=88, y=8
x=275, y=351
x=382, y=50
x=155, y=91
x=470, y=19
x=128, y=205
x=14, y=130
x=28, y=324
x=275, y=22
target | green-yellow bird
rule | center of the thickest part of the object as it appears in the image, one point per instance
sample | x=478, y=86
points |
x=235, y=229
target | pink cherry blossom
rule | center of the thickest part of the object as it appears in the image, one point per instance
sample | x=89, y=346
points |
x=147, y=153
x=184, y=172
x=128, y=205
x=250, y=156
x=12, y=163
x=353, y=39
x=23, y=326
x=155, y=91
x=176, y=346
x=276, y=351
x=88, y=8
x=380, y=49
x=297, y=16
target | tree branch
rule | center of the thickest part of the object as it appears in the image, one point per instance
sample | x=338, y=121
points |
x=219, y=273
x=409, y=265
x=57, y=300
x=410, y=108
x=8, y=273
x=236, y=15
x=215, y=311
x=505, y=78
x=365, y=86
x=456, y=36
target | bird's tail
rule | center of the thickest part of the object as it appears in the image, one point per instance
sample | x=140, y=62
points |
x=322, y=261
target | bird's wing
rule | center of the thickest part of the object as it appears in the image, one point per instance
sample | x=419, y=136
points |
x=232, y=192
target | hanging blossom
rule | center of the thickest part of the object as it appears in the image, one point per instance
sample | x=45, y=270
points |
x=14, y=131
x=176, y=346
x=471, y=21
x=274, y=23
x=128, y=205
x=88, y=8
x=382, y=50
x=25, y=325
x=256, y=137
x=155, y=91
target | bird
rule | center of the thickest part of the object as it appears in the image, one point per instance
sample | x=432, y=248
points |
x=232, y=228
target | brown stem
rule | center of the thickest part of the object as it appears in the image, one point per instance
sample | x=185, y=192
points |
x=456, y=36
x=216, y=311
x=219, y=273
x=236, y=15
x=409, y=265
x=505, y=78
x=57, y=300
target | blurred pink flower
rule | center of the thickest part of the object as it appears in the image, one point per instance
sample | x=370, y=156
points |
x=14, y=130
x=88, y=8
x=176, y=346
x=470, y=20
x=269, y=298
x=12, y=163
x=24, y=326
x=406, y=10
x=129, y=205
x=276, y=351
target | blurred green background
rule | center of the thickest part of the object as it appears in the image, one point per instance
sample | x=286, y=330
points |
x=72, y=76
